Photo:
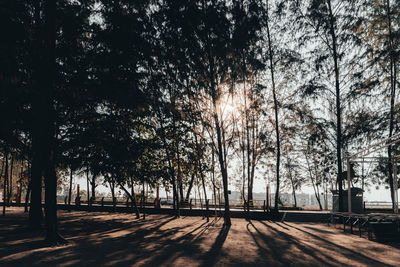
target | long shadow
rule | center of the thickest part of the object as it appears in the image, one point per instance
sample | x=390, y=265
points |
x=280, y=224
x=212, y=223
x=270, y=243
x=319, y=230
x=113, y=225
x=188, y=246
x=20, y=237
x=352, y=253
x=110, y=248
x=212, y=255
x=25, y=246
x=124, y=251
x=135, y=244
x=73, y=229
x=163, y=249
x=307, y=250
x=156, y=226
x=280, y=249
x=393, y=243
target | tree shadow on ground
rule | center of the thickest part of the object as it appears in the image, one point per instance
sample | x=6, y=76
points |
x=283, y=252
x=161, y=240
x=93, y=241
x=212, y=255
x=266, y=241
x=281, y=225
x=350, y=253
x=364, y=234
x=183, y=245
x=19, y=239
x=322, y=231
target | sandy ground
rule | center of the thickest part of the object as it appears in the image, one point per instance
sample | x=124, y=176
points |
x=111, y=239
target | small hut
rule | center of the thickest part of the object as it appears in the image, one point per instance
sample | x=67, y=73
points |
x=356, y=200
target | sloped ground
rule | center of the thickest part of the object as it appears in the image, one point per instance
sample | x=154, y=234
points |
x=111, y=239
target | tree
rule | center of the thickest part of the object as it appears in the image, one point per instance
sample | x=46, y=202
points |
x=379, y=32
x=329, y=26
x=278, y=141
x=246, y=93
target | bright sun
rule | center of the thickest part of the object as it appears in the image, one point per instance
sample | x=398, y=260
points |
x=229, y=106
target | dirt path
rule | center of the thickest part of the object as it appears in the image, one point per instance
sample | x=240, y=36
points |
x=107, y=239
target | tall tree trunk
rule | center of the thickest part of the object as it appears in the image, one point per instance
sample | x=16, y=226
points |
x=292, y=182
x=190, y=187
x=48, y=79
x=315, y=186
x=179, y=172
x=221, y=157
x=2, y=165
x=294, y=194
x=243, y=174
x=112, y=189
x=5, y=182
x=248, y=150
x=200, y=168
x=35, y=207
x=50, y=177
x=199, y=192
x=52, y=235
x=393, y=80
x=70, y=188
x=87, y=187
x=227, y=216
x=253, y=158
x=132, y=188
x=220, y=150
x=213, y=181
x=179, y=184
x=1, y=173
x=93, y=187
x=134, y=201
x=10, y=182
x=175, y=195
x=180, y=181
x=171, y=169
x=132, y=198
x=317, y=194
x=144, y=201
x=28, y=191
x=338, y=108
x=278, y=142
x=19, y=183
x=204, y=189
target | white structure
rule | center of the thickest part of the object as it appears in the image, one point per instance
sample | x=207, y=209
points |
x=362, y=156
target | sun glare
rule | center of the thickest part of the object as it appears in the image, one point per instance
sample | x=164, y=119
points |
x=228, y=106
